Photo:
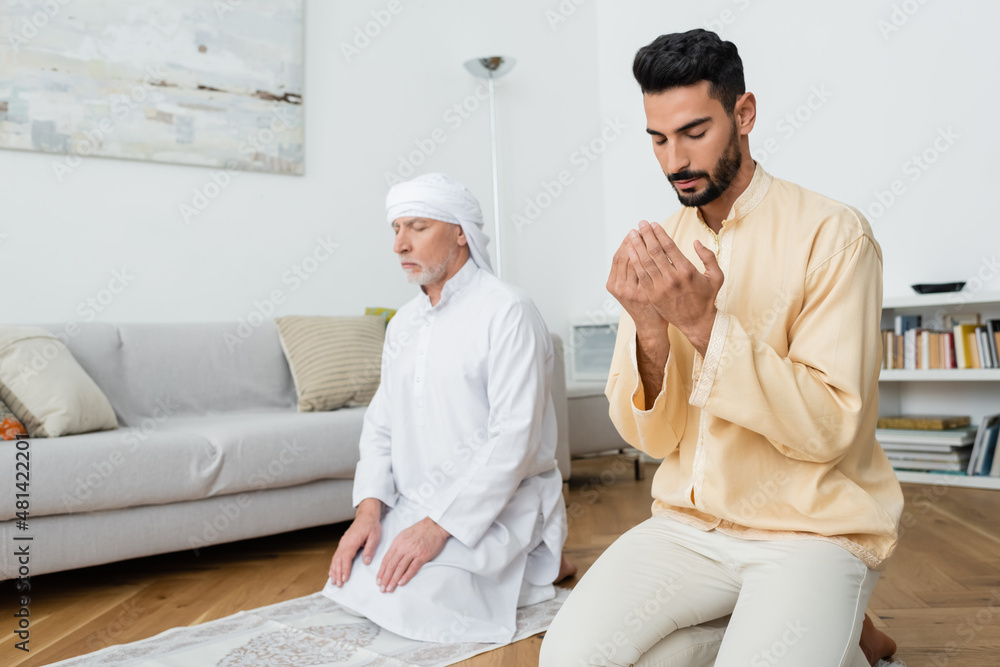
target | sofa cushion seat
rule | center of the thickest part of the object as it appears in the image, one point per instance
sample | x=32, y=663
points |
x=187, y=458
x=264, y=450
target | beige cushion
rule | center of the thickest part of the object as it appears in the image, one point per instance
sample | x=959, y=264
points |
x=335, y=361
x=46, y=388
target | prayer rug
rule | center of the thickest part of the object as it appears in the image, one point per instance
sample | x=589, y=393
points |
x=312, y=630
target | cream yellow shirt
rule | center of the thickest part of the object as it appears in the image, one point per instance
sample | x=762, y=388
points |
x=772, y=434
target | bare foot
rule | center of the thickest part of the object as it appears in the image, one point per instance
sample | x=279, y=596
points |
x=875, y=643
x=566, y=571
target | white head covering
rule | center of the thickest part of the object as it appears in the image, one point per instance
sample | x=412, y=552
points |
x=440, y=197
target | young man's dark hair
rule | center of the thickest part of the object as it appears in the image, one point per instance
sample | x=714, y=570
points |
x=684, y=59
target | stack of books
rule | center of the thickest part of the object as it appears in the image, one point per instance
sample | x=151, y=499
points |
x=984, y=460
x=941, y=443
x=959, y=342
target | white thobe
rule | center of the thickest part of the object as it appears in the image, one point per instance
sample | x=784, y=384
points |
x=462, y=430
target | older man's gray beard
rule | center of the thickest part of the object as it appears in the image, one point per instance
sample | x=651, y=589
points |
x=432, y=274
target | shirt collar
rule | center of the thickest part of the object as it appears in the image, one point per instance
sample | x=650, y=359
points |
x=462, y=278
x=749, y=198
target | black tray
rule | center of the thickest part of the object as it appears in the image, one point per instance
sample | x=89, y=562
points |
x=932, y=288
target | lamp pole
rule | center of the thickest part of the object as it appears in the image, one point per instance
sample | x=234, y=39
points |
x=490, y=68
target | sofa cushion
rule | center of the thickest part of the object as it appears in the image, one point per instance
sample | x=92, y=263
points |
x=335, y=361
x=274, y=449
x=46, y=388
x=177, y=458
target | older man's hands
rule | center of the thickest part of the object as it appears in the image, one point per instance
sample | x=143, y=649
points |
x=366, y=532
x=412, y=549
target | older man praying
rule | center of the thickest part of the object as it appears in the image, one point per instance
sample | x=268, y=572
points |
x=460, y=517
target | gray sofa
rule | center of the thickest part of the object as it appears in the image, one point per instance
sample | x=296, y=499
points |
x=210, y=449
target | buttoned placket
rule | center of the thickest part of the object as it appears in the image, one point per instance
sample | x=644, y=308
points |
x=723, y=253
x=420, y=368
x=428, y=316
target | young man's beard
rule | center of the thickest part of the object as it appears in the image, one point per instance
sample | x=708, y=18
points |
x=719, y=180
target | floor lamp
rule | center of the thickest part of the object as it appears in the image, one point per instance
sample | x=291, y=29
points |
x=493, y=67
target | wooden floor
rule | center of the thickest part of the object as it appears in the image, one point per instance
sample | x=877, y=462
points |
x=939, y=599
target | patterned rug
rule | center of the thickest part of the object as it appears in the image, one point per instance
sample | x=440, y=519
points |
x=309, y=631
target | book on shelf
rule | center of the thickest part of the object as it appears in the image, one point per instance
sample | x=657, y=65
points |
x=923, y=422
x=984, y=448
x=950, y=320
x=910, y=349
x=899, y=449
x=932, y=450
x=904, y=323
x=910, y=458
x=935, y=466
x=985, y=358
x=989, y=337
x=956, y=437
x=966, y=349
x=964, y=342
x=922, y=462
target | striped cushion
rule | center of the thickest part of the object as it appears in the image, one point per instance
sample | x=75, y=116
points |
x=335, y=361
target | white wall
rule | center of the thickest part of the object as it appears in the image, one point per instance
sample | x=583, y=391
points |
x=886, y=89
x=888, y=98
x=64, y=239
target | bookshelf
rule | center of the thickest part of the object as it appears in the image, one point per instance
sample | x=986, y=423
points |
x=943, y=375
x=975, y=392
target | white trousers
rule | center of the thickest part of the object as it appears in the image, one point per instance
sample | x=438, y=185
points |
x=666, y=594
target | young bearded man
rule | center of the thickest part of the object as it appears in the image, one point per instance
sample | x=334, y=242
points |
x=747, y=359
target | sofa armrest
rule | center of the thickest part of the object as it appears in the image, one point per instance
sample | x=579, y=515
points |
x=561, y=406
